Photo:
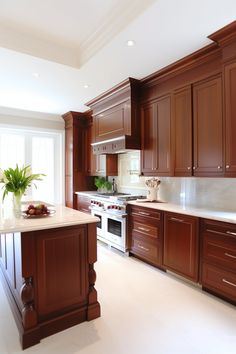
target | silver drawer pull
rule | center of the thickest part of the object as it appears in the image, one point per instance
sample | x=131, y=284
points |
x=228, y=282
x=175, y=219
x=231, y=233
x=143, y=248
x=230, y=255
x=143, y=213
x=147, y=230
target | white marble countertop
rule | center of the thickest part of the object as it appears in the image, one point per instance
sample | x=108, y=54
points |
x=63, y=217
x=87, y=193
x=206, y=213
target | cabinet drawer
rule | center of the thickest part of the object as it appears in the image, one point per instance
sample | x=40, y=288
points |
x=219, y=250
x=219, y=228
x=219, y=280
x=144, y=229
x=146, y=213
x=146, y=250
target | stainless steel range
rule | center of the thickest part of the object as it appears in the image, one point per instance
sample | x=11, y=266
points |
x=112, y=211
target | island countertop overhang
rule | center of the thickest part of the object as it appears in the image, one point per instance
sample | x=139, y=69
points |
x=63, y=217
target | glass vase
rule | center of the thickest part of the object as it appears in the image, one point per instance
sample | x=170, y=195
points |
x=17, y=204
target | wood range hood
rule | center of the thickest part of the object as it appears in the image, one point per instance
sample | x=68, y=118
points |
x=116, y=120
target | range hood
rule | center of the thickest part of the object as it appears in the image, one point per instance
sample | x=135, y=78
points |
x=116, y=119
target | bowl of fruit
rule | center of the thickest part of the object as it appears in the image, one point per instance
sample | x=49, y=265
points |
x=37, y=211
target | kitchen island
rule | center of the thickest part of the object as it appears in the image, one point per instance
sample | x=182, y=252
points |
x=47, y=270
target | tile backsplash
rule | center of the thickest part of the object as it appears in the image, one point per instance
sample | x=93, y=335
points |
x=217, y=193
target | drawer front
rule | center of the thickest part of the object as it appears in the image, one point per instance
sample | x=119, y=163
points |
x=219, y=228
x=146, y=250
x=219, y=280
x=146, y=213
x=144, y=229
x=219, y=250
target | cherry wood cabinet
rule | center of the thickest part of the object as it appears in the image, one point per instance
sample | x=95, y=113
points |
x=116, y=116
x=182, y=131
x=230, y=121
x=208, y=128
x=181, y=245
x=104, y=165
x=218, y=258
x=76, y=156
x=156, y=138
x=145, y=234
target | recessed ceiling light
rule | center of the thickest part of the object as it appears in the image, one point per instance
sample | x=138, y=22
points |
x=36, y=75
x=86, y=86
x=130, y=43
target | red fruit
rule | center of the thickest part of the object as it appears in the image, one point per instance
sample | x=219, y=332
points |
x=31, y=211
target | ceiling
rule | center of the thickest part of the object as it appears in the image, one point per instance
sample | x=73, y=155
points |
x=49, y=50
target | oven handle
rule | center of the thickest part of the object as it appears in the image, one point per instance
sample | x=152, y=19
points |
x=116, y=217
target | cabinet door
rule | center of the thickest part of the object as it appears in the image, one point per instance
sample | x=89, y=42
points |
x=230, y=114
x=182, y=126
x=164, y=152
x=156, y=138
x=149, y=139
x=208, y=128
x=181, y=245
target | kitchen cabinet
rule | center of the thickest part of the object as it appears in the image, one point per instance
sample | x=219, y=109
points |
x=104, y=165
x=76, y=156
x=181, y=245
x=145, y=234
x=218, y=258
x=182, y=131
x=208, y=128
x=230, y=122
x=156, y=138
x=116, y=117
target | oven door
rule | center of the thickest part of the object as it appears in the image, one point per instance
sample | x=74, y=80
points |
x=116, y=230
x=101, y=223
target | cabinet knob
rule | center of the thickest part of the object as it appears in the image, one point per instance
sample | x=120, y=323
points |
x=154, y=168
x=189, y=168
x=227, y=166
x=194, y=168
x=219, y=167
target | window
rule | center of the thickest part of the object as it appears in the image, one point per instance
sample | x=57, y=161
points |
x=41, y=150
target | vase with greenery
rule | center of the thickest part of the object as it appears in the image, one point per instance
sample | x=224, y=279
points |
x=16, y=181
x=102, y=184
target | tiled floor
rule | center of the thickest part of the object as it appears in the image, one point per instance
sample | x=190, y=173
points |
x=144, y=311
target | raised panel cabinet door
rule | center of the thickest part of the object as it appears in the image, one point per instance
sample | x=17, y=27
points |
x=182, y=127
x=208, y=128
x=111, y=123
x=149, y=139
x=62, y=272
x=181, y=247
x=230, y=119
x=164, y=151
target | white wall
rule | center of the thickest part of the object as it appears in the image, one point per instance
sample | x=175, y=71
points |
x=208, y=192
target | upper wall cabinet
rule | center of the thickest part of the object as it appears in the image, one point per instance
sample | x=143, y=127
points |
x=182, y=131
x=208, y=128
x=230, y=118
x=156, y=138
x=116, y=119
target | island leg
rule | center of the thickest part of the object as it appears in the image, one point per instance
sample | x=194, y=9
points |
x=94, y=310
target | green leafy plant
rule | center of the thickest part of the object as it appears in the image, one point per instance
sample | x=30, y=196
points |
x=18, y=180
x=101, y=182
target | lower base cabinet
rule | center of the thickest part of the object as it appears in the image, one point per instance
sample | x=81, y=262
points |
x=218, y=258
x=201, y=250
x=181, y=245
x=145, y=234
